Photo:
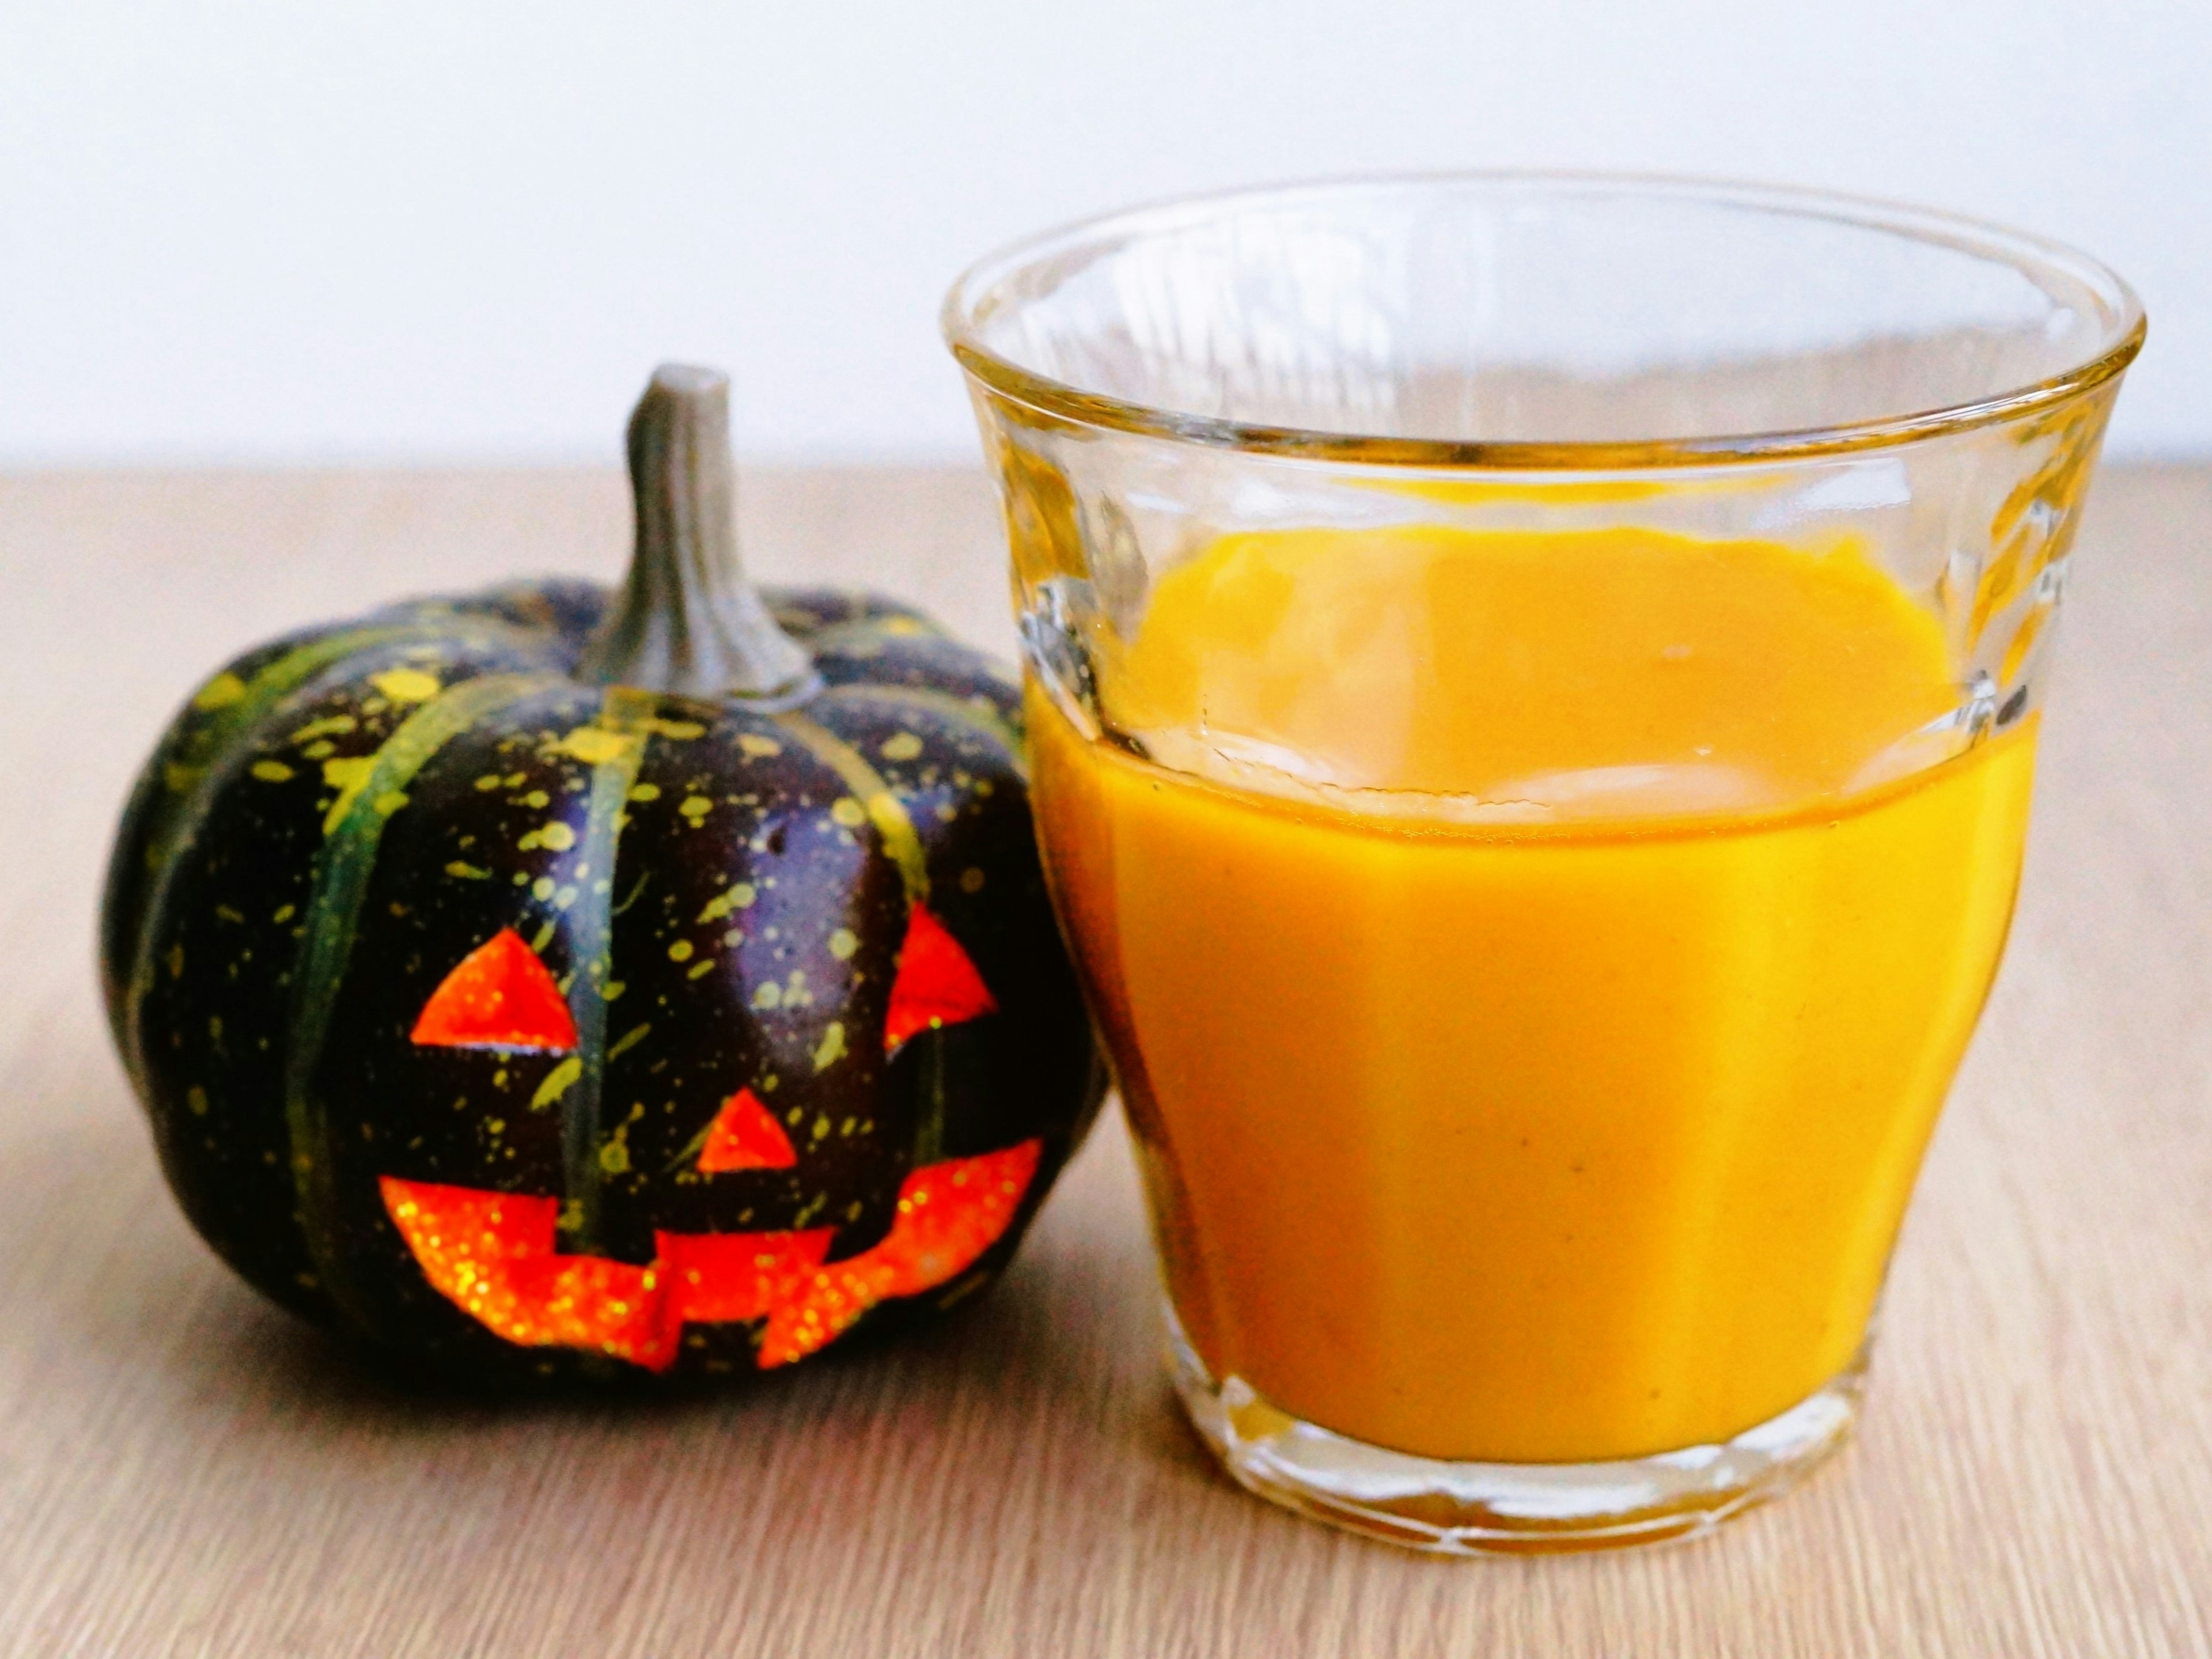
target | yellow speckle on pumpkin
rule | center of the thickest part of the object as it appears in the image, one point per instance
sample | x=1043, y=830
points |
x=696, y=808
x=645, y=792
x=739, y=897
x=594, y=745
x=757, y=747
x=558, y=836
x=405, y=685
x=284, y=913
x=849, y=812
x=196, y=1097
x=680, y=951
x=349, y=777
x=467, y=872
x=768, y=994
x=272, y=771
x=542, y=889
x=488, y=781
x=903, y=746
x=699, y=969
x=557, y=1083
x=389, y=802
x=220, y=692
x=843, y=943
x=831, y=1049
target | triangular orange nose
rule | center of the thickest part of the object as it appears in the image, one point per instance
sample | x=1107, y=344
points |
x=937, y=984
x=499, y=997
x=743, y=1136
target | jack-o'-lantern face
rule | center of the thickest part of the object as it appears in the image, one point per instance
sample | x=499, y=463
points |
x=494, y=1254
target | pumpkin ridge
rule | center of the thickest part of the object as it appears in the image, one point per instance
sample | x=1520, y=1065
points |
x=894, y=829
x=868, y=632
x=992, y=725
x=629, y=714
x=171, y=824
x=198, y=745
x=342, y=867
x=181, y=765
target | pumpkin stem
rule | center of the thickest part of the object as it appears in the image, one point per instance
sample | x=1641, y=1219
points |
x=687, y=620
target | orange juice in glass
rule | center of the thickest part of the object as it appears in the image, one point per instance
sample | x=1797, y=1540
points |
x=1533, y=690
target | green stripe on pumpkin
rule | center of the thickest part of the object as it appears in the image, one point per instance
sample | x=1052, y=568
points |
x=884, y=810
x=191, y=761
x=628, y=720
x=182, y=776
x=896, y=828
x=343, y=867
x=977, y=714
x=865, y=636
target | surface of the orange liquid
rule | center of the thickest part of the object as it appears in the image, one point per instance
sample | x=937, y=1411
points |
x=1533, y=991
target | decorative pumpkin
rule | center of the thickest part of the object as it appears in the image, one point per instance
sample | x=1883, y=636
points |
x=538, y=984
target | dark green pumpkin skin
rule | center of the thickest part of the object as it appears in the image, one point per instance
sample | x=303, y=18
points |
x=270, y=936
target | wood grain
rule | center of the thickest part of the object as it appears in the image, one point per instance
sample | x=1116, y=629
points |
x=184, y=1471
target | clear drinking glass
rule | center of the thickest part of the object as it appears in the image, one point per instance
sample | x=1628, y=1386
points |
x=1533, y=694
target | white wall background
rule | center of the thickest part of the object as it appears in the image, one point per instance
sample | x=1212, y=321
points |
x=253, y=231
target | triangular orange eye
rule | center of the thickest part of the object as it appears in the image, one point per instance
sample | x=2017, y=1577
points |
x=742, y=1136
x=499, y=997
x=937, y=984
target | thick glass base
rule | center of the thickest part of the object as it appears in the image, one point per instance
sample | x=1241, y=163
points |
x=1518, y=1508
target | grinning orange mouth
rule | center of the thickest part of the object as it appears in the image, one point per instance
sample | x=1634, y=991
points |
x=491, y=1254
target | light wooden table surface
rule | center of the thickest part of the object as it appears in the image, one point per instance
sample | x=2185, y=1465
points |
x=184, y=1471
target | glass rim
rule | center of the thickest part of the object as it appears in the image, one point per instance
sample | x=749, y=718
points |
x=962, y=316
